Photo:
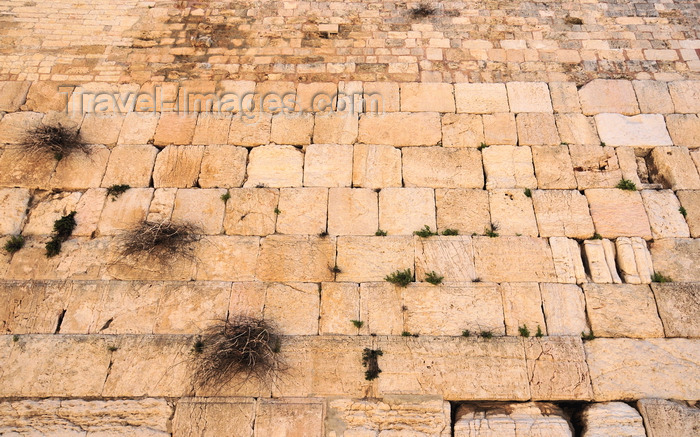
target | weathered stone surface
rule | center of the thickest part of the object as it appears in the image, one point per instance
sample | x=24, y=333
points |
x=406, y=210
x=125, y=212
x=481, y=98
x=653, y=96
x=400, y=129
x=32, y=306
x=562, y=213
x=381, y=309
x=131, y=165
x=335, y=128
x=557, y=368
x=690, y=200
x=577, y=129
x=47, y=96
x=668, y=418
x=353, y=211
x=595, y=167
x=462, y=130
x=162, y=205
x=618, y=213
x=340, y=305
x=674, y=168
x=508, y=167
x=381, y=96
x=80, y=171
x=296, y=258
x=466, y=211
x=302, y=211
x=19, y=169
x=600, y=260
x=189, y=307
x=645, y=130
x=363, y=259
x=633, y=260
x=568, y=264
x=223, y=167
x=522, y=307
x=537, y=129
x=611, y=418
x=210, y=417
x=175, y=128
x=76, y=417
x=564, y=97
x=251, y=211
x=629, y=163
x=685, y=95
x=553, y=167
x=289, y=417
x=677, y=258
x=513, y=259
x=531, y=419
x=250, y=129
x=500, y=128
x=376, y=166
x=679, y=308
x=684, y=129
x=178, y=166
x=212, y=128
x=293, y=307
x=138, y=128
x=14, y=126
x=442, y=167
x=512, y=212
x=451, y=257
x=14, y=203
x=622, y=310
x=214, y=255
x=13, y=95
x=315, y=97
x=295, y=129
x=427, y=97
x=77, y=260
x=47, y=208
x=201, y=207
x=601, y=95
x=328, y=165
x=101, y=128
x=528, y=97
x=88, y=211
x=664, y=217
x=625, y=368
x=564, y=309
x=275, y=166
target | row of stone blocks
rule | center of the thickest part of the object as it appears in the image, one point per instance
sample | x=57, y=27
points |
x=344, y=308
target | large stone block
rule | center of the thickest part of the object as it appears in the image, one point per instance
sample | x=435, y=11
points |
x=622, y=310
x=175, y=128
x=684, y=129
x=562, y=213
x=564, y=308
x=101, y=128
x=449, y=256
x=48, y=96
x=47, y=208
x=130, y=165
x=481, y=98
x=14, y=203
x=537, y=129
x=600, y=260
x=466, y=211
x=427, y=97
x=212, y=128
x=190, y=307
x=289, y=417
x=618, y=213
x=653, y=96
x=20, y=169
x=674, y=168
x=251, y=211
x=513, y=259
x=178, y=166
x=679, y=308
x=353, y=211
x=14, y=126
x=295, y=129
x=690, y=201
x=568, y=263
x=381, y=309
x=213, y=258
x=645, y=130
x=88, y=211
x=462, y=130
x=513, y=420
x=602, y=95
x=595, y=167
x=363, y=259
x=611, y=418
x=512, y=213
x=557, y=368
x=508, y=167
x=250, y=129
x=210, y=417
x=13, y=95
x=293, y=307
x=381, y=97
x=129, y=209
x=668, y=418
x=296, y=258
x=406, y=210
x=522, y=307
x=553, y=167
x=335, y=128
x=376, y=166
x=33, y=307
x=442, y=167
x=223, y=167
x=138, y=128
x=275, y=166
x=340, y=305
x=577, y=129
x=633, y=260
x=81, y=170
x=529, y=97
x=685, y=95
x=328, y=165
x=665, y=220
x=500, y=129
x=302, y=211
x=401, y=129
x=564, y=97
x=201, y=207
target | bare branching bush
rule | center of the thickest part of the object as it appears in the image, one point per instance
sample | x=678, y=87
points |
x=241, y=346
x=160, y=240
x=58, y=141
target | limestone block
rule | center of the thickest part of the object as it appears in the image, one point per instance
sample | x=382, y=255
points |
x=462, y=130
x=564, y=97
x=289, y=417
x=201, y=207
x=125, y=212
x=101, y=128
x=294, y=129
x=247, y=299
x=212, y=128
x=500, y=129
x=645, y=130
x=577, y=129
x=381, y=309
x=381, y=97
x=625, y=368
x=138, y=128
x=674, y=168
x=562, y=213
x=668, y=418
x=175, y=128
x=14, y=126
x=12, y=95
x=513, y=259
x=451, y=257
x=557, y=368
x=599, y=256
x=81, y=171
x=427, y=97
x=512, y=213
x=335, y=128
x=376, y=166
x=363, y=259
x=131, y=165
x=353, y=211
x=481, y=98
x=178, y=166
x=213, y=257
x=611, y=418
x=315, y=97
x=622, y=310
x=293, y=307
x=618, y=213
x=296, y=258
x=685, y=95
x=677, y=258
x=628, y=162
x=303, y=211
x=553, y=167
x=14, y=203
x=513, y=420
x=251, y=211
x=32, y=306
x=564, y=308
x=19, y=169
x=664, y=217
x=162, y=205
x=568, y=264
x=88, y=211
x=537, y=129
x=406, y=210
x=528, y=97
x=275, y=166
x=466, y=211
x=223, y=167
x=328, y=165
x=690, y=200
x=678, y=308
x=653, y=97
x=401, y=129
x=595, y=167
x=103, y=97
x=508, y=167
x=75, y=417
x=47, y=96
x=210, y=417
x=633, y=260
x=250, y=129
x=79, y=259
x=603, y=95
x=340, y=305
x=442, y=167
x=522, y=307
x=47, y=208
x=271, y=97
x=684, y=129
x=421, y=416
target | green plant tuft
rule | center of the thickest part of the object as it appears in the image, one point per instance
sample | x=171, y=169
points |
x=596, y=236
x=400, y=277
x=658, y=277
x=425, y=232
x=64, y=226
x=15, y=338
x=198, y=346
x=433, y=278
x=524, y=332
x=449, y=231
x=486, y=334
x=226, y=196
x=358, y=323
x=528, y=192
x=466, y=333
x=117, y=190
x=380, y=233
x=589, y=336
x=539, y=333
x=277, y=211
x=491, y=231
x=476, y=280
x=371, y=363
x=14, y=244
x=626, y=184
x=683, y=212
x=482, y=146
x=53, y=248
x=335, y=269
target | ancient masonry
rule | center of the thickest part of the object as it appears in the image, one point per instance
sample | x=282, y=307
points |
x=531, y=170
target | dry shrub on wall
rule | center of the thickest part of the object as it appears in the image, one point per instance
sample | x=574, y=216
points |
x=56, y=140
x=161, y=241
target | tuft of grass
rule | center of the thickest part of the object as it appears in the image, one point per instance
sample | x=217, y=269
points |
x=425, y=232
x=371, y=363
x=596, y=236
x=277, y=211
x=408, y=334
x=433, y=278
x=162, y=240
x=14, y=244
x=380, y=233
x=335, y=269
x=528, y=192
x=658, y=277
x=53, y=248
x=117, y=190
x=539, y=333
x=626, y=184
x=62, y=230
x=482, y=146
x=524, y=332
x=15, y=338
x=358, y=323
x=683, y=212
x=602, y=144
x=226, y=196
x=55, y=140
x=466, y=333
x=450, y=231
x=400, y=277
x=486, y=334
x=112, y=348
x=589, y=336
x=491, y=230
x=572, y=20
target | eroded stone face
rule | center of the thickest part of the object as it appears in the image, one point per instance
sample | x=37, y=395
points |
x=618, y=213
x=679, y=308
x=233, y=417
x=406, y=210
x=602, y=95
x=441, y=167
x=677, y=258
x=14, y=209
x=618, y=418
x=275, y=166
x=517, y=420
x=664, y=417
x=622, y=310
